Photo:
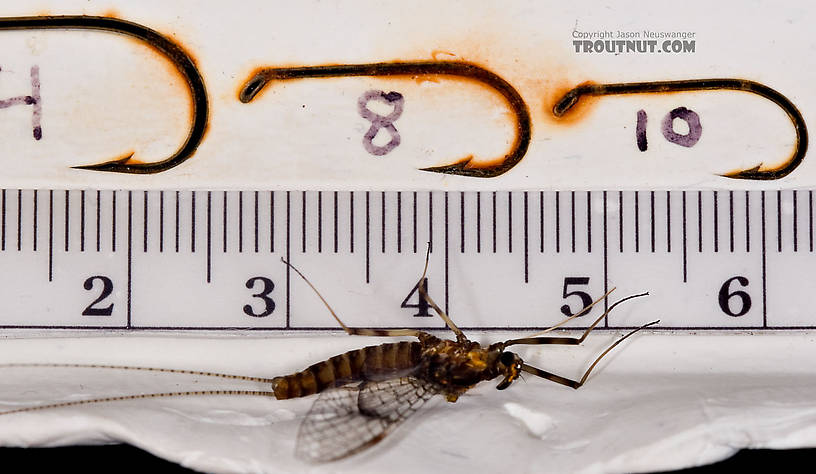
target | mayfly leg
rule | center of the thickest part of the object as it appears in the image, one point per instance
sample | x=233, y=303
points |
x=354, y=331
x=577, y=383
x=423, y=292
x=574, y=341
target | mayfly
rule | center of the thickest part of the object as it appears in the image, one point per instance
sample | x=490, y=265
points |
x=362, y=395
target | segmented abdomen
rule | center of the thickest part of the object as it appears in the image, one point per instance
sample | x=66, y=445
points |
x=369, y=363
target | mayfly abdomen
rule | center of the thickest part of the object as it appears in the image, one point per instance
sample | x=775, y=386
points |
x=368, y=363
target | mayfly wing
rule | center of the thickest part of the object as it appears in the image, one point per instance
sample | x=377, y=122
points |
x=346, y=420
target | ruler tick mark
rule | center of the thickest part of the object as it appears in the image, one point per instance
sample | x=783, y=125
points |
x=161, y=221
x=779, y=221
x=256, y=222
x=526, y=242
x=50, y=235
x=98, y=221
x=320, y=222
x=572, y=218
x=67, y=220
x=668, y=221
x=192, y=221
x=81, y=221
x=685, y=240
x=795, y=223
x=367, y=237
x=620, y=221
x=494, y=221
x=144, y=222
x=177, y=221
x=209, y=236
x=589, y=221
x=557, y=222
x=36, y=218
x=113, y=221
x=652, y=218
x=399, y=221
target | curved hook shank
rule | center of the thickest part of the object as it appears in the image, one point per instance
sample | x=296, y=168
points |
x=463, y=167
x=175, y=53
x=571, y=98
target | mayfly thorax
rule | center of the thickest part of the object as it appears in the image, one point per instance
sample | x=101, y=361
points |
x=363, y=394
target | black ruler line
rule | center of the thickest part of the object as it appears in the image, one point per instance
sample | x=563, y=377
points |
x=510, y=221
x=447, y=263
x=3, y=213
x=161, y=221
x=382, y=221
x=478, y=222
x=303, y=222
x=557, y=221
x=351, y=221
x=605, y=253
x=810, y=220
x=716, y=222
x=589, y=221
x=764, y=261
x=241, y=222
x=430, y=220
x=81, y=222
x=67, y=219
x=209, y=236
x=795, y=222
x=699, y=221
x=747, y=222
x=415, y=221
x=399, y=222
x=572, y=219
x=224, y=222
x=192, y=221
x=526, y=241
x=335, y=221
x=462, y=222
x=113, y=221
x=494, y=221
x=620, y=221
x=19, y=220
x=652, y=217
x=36, y=219
x=731, y=220
x=50, y=235
x=668, y=221
x=272, y=222
x=256, y=221
x=98, y=221
x=637, y=221
x=129, y=255
x=288, y=259
x=144, y=222
x=319, y=222
x=685, y=240
x=541, y=221
x=779, y=221
x=367, y=237
x=177, y=221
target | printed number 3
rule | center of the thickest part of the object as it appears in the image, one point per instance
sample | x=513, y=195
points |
x=269, y=305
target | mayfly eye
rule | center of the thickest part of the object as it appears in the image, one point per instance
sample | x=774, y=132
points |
x=507, y=358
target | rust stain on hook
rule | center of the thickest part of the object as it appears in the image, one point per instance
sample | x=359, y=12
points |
x=182, y=61
x=414, y=69
x=566, y=103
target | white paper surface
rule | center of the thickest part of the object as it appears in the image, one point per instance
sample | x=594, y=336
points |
x=662, y=401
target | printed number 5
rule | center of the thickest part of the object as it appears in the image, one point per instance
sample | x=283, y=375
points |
x=269, y=305
x=586, y=300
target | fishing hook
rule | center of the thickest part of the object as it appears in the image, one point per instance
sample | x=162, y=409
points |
x=164, y=45
x=573, y=96
x=463, y=167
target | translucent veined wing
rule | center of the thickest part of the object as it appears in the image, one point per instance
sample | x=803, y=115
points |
x=348, y=419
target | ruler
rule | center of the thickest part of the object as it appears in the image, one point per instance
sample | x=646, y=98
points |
x=186, y=260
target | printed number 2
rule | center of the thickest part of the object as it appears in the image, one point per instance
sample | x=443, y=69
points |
x=107, y=289
x=586, y=300
x=269, y=305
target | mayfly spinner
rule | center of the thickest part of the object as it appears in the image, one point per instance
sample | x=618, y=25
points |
x=365, y=393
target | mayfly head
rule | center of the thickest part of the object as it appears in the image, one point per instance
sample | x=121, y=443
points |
x=509, y=365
